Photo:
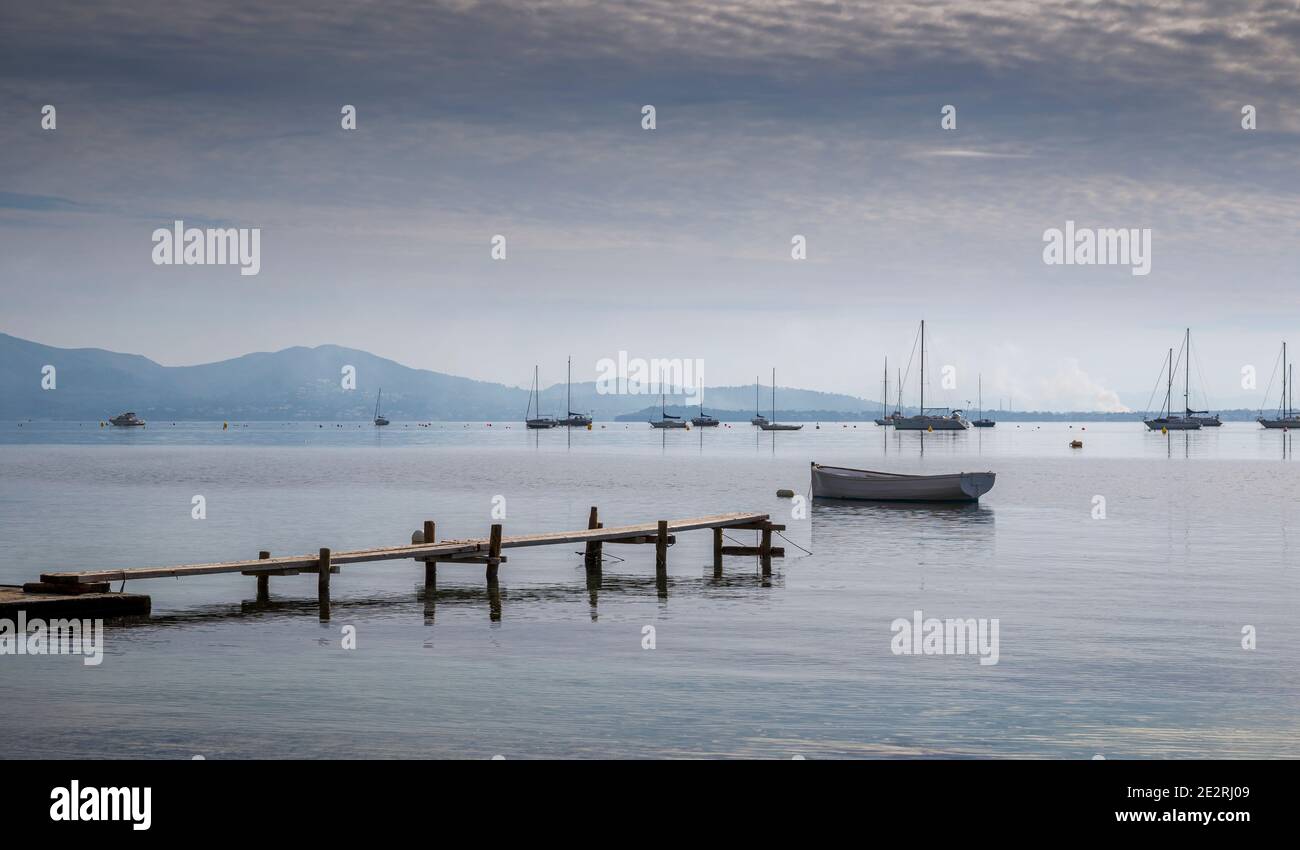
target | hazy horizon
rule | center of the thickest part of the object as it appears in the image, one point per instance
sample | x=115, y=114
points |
x=823, y=120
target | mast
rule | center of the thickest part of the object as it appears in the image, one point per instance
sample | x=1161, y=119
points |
x=922, y=410
x=1187, y=374
x=1169, y=385
x=773, y=395
x=980, y=384
x=899, y=408
x=884, y=400
x=568, y=390
x=756, y=413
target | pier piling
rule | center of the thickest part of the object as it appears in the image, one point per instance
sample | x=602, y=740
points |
x=430, y=564
x=263, y=580
x=323, y=583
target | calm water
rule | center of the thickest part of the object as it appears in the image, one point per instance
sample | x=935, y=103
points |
x=1119, y=636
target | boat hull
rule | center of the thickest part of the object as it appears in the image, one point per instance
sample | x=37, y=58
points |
x=669, y=424
x=834, y=482
x=1283, y=424
x=1173, y=424
x=704, y=423
x=540, y=424
x=773, y=426
x=928, y=423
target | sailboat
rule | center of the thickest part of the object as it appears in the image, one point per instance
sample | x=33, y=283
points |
x=951, y=420
x=538, y=421
x=759, y=418
x=380, y=419
x=703, y=420
x=1169, y=422
x=127, y=420
x=982, y=422
x=774, y=425
x=1286, y=415
x=884, y=402
x=573, y=419
x=1205, y=417
x=665, y=419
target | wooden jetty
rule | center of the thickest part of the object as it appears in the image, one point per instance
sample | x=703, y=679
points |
x=426, y=548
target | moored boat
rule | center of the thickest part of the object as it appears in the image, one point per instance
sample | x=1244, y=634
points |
x=950, y=420
x=1286, y=418
x=127, y=420
x=838, y=482
x=773, y=425
x=533, y=418
x=1168, y=421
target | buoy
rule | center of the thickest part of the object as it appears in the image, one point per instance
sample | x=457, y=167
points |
x=785, y=494
x=1076, y=444
x=225, y=425
x=1164, y=430
x=588, y=426
x=930, y=428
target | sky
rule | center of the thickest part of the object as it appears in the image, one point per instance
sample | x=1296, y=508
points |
x=773, y=119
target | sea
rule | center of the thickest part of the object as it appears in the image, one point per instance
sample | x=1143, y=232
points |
x=1144, y=589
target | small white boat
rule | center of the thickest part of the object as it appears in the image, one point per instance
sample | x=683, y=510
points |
x=838, y=482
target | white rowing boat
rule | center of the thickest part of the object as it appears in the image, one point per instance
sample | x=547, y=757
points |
x=838, y=482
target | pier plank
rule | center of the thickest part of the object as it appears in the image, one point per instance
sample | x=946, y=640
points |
x=443, y=549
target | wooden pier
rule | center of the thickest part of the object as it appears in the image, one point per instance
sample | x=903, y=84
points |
x=427, y=549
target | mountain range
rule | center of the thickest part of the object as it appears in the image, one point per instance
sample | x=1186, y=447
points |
x=306, y=384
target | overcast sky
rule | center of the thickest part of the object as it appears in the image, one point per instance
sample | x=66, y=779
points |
x=773, y=119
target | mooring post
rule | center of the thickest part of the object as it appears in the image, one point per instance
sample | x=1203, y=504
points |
x=494, y=552
x=430, y=563
x=717, y=553
x=765, y=551
x=323, y=583
x=593, y=556
x=661, y=547
x=263, y=580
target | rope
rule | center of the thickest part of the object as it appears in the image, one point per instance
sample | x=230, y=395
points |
x=792, y=543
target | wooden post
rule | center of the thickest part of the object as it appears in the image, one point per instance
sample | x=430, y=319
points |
x=593, y=556
x=717, y=553
x=263, y=580
x=494, y=552
x=765, y=551
x=430, y=564
x=323, y=583
x=661, y=547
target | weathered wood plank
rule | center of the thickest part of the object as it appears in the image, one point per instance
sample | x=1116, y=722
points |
x=308, y=563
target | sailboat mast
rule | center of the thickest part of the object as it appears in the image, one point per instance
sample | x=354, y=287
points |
x=922, y=410
x=568, y=389
x=773, y=395
x=1169, y=386
x=899, y=408
x=980, y=385
x=1187, y=374
x=884, y=398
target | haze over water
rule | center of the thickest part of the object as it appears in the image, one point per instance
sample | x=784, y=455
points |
x=1118, y=636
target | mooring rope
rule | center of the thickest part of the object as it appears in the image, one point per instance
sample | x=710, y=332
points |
x=792, y=543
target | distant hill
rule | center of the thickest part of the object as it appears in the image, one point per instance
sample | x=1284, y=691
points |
x=303, y=384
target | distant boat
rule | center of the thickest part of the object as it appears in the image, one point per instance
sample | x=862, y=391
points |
x=126, y=420
x=535, y=394
x=380, y=419
x=1205, y=417
x=703, y=420
x=1287, y=418
x=665, y=420
x=1169, y=422
x=774, y=425
x=838, y=482
x=982, y=422
x=573, y=419
x=951, y=420
x=759, y=418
